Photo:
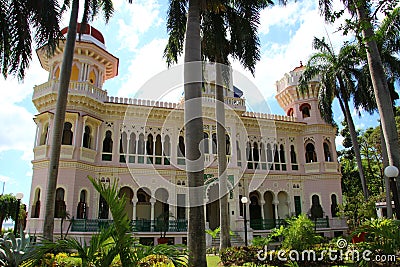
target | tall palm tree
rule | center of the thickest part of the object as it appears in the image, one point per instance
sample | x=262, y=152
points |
x=21, y=22
x=340, y=78
x=91, y=7
x=362, y=10
x=241, y=20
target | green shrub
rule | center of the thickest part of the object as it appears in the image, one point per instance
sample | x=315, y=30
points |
x=299, y=234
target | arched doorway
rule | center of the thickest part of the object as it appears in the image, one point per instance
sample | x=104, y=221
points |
x=143, y=207
x=283, y=206
x=255, y=211
x=269, y=209
x=212, y=208
x=161, y=206
x=127, y=193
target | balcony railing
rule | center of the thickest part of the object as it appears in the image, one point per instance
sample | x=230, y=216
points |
x=95, y=225
x=75, y=88
x=268, y=224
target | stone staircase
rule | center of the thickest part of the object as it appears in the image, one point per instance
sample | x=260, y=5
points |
x=236, y=241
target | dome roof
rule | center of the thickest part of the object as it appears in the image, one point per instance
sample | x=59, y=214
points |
x=299, y=68
x=88, y=31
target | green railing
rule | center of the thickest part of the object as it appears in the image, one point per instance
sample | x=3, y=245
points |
x=267, y=224
x=95, y=225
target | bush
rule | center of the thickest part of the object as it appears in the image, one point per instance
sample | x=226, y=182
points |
x=298, y=235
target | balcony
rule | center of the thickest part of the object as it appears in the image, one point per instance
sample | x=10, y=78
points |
x=147, y=226
x=88, y=154
x=75, y=88
x=67, y=152
x=331, y=166
x=40, y=152
x=312, y=167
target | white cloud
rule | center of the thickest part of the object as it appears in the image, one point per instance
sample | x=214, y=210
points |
x=18, y=130
x=135, y=20
x=339, y=142
x=279, y=58
x=147, y=63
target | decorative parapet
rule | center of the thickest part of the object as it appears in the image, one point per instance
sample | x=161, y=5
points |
x=141, y=102
x=267, y=116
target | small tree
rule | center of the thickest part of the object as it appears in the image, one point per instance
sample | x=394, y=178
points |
x=8, y=205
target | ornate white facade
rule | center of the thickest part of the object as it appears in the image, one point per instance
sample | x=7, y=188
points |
x=285, y=165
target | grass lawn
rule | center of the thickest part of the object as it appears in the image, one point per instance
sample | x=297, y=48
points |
x=213, y=261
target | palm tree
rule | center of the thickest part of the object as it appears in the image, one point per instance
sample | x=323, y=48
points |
x=362, y=10
x=341, y=79
x=91, y=7
x=241, y=19
x=21, y=22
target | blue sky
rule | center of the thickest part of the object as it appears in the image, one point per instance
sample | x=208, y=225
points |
x=136, y=34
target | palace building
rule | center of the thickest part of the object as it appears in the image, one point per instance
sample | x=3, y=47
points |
x=285, y=165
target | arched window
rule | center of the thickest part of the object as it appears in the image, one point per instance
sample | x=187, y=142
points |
x=143, y=196
x=249, y=156
x=263, y=156
x=269, y=153
x=81, y=209
x=290, y=112
x=60, y=208
x=67, y=134
x=149, y=149
x=228, y=145
x=327, y=152
x=132, y=147
x=305, y=110
x=282, y=157
x=123, y=147
x=43, y=136
x=238, y=154
x=158, y=149
x=103, y=208
x=36, y=204
x=141, y=148
x=181, y=151
x=206, y=143
x=276, y=158
x=149, y=145
x=214, y=143
x=256, y=155
x=282, y=154
x=107, y=146
x=167, y=150
x=293, y=158
x=87, y=139
x=311, y=156
x=334, y=206
x=316, y=208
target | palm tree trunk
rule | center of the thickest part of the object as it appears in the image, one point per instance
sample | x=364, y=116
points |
x=59, y=118
x=221, y=150
x=381, y=90
x=193, y=137
x=344, y=105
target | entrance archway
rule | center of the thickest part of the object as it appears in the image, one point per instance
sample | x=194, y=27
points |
x=127, y=193
x=212, y=208
x=283, y=206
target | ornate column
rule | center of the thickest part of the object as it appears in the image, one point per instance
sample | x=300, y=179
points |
x=152, y=202
x=276, y=203
x=262, y=203
x=134, y=202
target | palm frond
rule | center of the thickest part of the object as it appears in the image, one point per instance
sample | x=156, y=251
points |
x=176, y=28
